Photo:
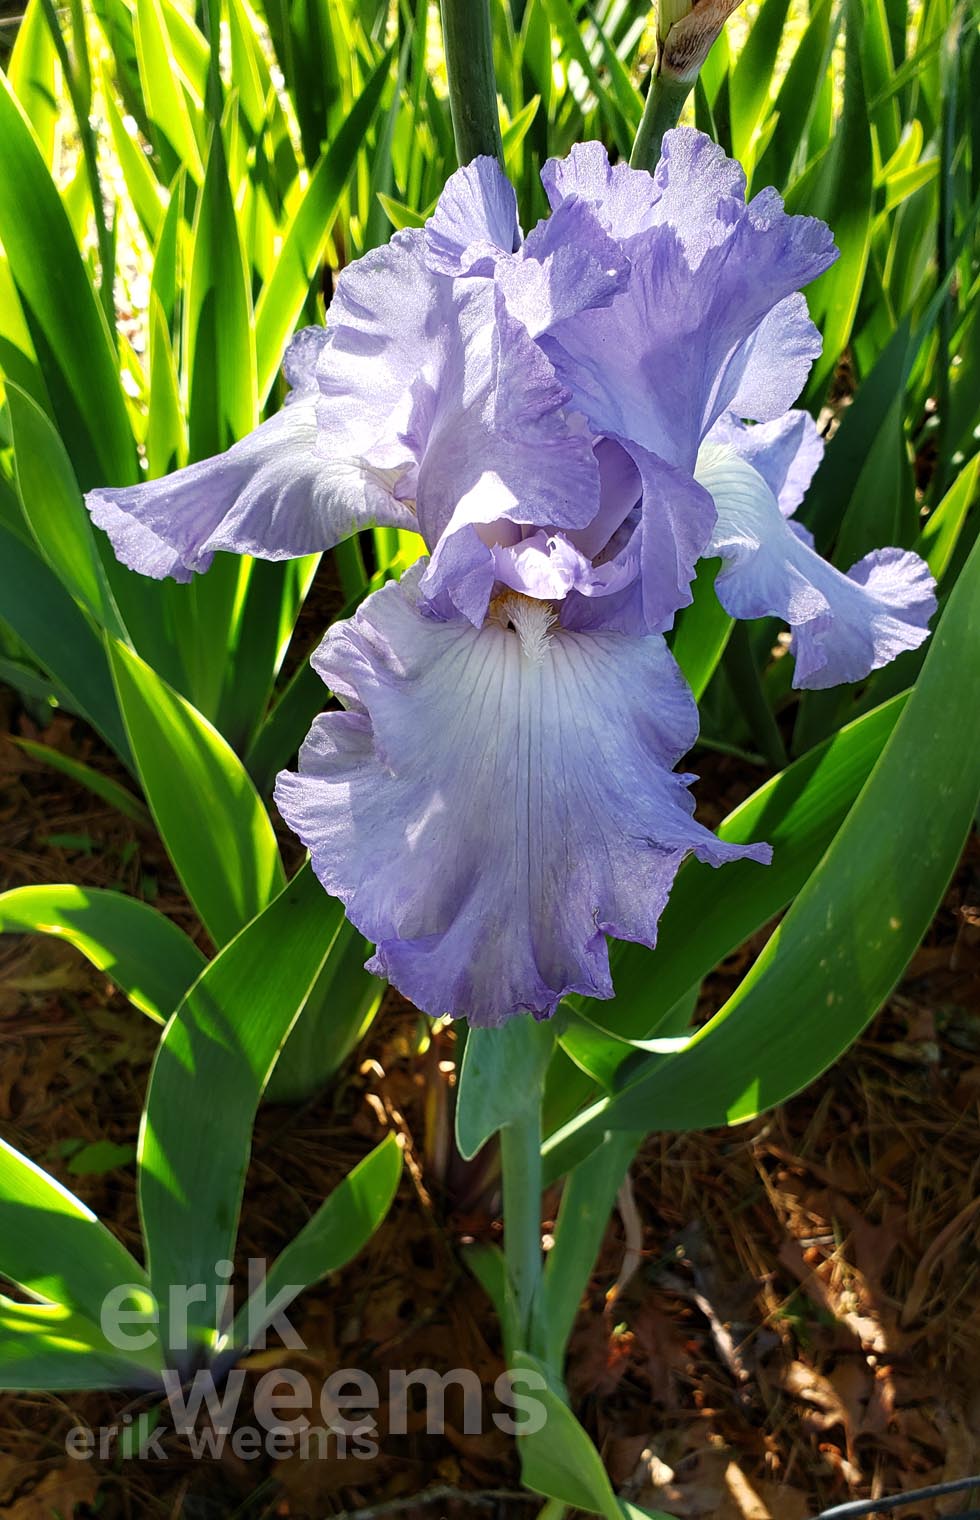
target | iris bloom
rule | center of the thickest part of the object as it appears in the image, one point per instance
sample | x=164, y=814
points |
x=570, y=420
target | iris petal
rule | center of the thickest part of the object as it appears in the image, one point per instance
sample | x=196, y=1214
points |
x=499, y=443
x=622, y=198
x=568, y=264
x=297, y=484
x=499, y=447
x=345, y=452
x=786, y=452
x=272, y=495
x=694, y=188
x=844, y=626
x=492, y=805
x=388, y=334
x=706, y=324
x=475, y=221
x=677, y=516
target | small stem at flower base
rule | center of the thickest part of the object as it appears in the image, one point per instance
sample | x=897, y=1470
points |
x=665, y=101
x=520, y=1155
x=467, y=38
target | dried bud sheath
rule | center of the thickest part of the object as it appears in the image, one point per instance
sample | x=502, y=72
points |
x=686, y=30
x=688, y=40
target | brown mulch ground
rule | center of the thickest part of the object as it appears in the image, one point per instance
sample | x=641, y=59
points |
x=800, y=1326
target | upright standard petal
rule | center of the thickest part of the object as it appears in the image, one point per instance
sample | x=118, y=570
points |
x=432, y=383
x=695, y=189
x=568, y=264
x=475, y=221
x=844, y=626
x=661, y=543
x=390, y=328
x=710, y=319
x=677, y=516
x=620, y=197
x=682, y=345
x=496, y=801
x=499, y=450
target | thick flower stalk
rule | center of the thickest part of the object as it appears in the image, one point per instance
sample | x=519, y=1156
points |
x=570, y=420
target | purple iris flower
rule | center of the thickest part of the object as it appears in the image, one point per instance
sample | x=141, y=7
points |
x=570, y=420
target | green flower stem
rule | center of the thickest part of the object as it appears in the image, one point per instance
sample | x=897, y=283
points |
x=520, y=1155
x=665, y=101
x=467, y=36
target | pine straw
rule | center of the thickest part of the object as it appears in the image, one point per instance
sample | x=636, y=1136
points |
x=799, y=1327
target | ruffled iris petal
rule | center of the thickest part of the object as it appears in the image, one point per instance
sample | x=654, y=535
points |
x=700, y=191
x=297, y=484
x=475, y=221
x=677, y=516
x=568, y=264
x=386, y=346
x=709, y=321
x=489, y=814
x=621, y=198
x=499, y=449
x=786, y=452
x=844, y=626
x=499, y=443
x=695, y=188
x=766, y=373
x=272, y=495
